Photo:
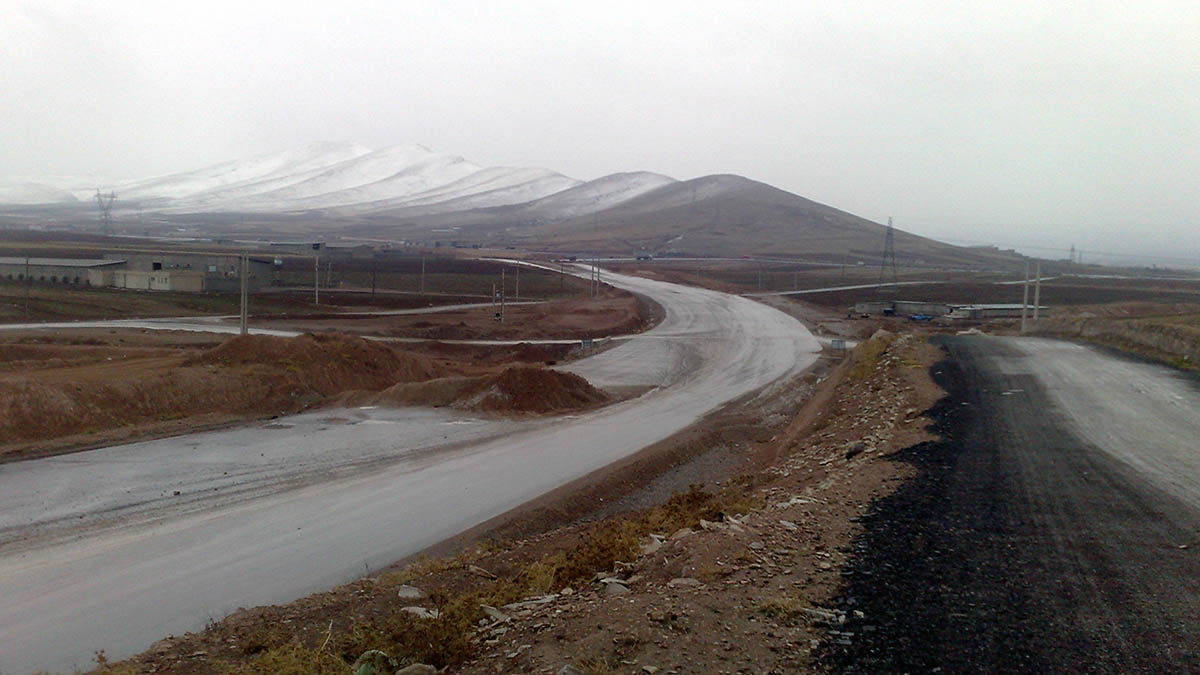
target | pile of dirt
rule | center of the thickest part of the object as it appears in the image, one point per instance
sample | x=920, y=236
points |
x=532, y=389
x=244, y=377
x=326, y=362
x=517, y=389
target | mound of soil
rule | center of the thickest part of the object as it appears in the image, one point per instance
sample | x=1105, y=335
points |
x=326, y=362
x=518, y=389
x=532, y=389
x=245, y=376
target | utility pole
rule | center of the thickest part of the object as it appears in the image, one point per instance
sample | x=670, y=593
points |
x=1037, y=293
x=517, y=290
x=889, y=251
x=502, y=270
x=422, y=274
x=243, y=326
x=105, y=203
x=1025, y=299
x=329, y=273
x=27, y=280
x=316, y=279
x=562, y=277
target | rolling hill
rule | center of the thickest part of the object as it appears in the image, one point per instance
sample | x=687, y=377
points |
x=411, y=192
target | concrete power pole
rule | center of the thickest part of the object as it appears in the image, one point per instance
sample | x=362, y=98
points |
x=27, y=282
x=1037, y=293
x=244, y=328
x=316, y=279
x=1025, y=300
x=502, y=271
x=517, y=290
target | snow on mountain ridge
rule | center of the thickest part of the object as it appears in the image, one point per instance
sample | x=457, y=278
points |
x=236, y=172
x=493, y=186
x=599, y=194
x=379, y=167
x=26, y=193
x=348, y=178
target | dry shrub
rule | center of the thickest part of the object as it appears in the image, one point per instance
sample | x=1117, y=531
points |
x=868, y=354
x=291, y=659
x=443, y=641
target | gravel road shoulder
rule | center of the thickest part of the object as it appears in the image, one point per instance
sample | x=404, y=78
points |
x=1020, y=547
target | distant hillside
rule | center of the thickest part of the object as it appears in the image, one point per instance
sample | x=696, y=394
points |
x=413, y=193
x=732, y=215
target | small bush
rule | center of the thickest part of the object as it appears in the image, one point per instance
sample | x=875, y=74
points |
x=291, y=659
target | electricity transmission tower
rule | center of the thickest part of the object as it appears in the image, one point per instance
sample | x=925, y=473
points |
x=889, y=251
x=105, y=204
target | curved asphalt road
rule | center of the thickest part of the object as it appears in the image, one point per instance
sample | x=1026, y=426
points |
x=98, y=552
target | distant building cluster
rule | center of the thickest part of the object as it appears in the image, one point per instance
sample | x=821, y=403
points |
x=142, y=271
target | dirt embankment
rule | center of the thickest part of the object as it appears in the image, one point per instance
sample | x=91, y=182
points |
x=54, y=398
x=517, y=389
x=244, y=377
x=617, y=312
x=1167, y=333
x=742, y=577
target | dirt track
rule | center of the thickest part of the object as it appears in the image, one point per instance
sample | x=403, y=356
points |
x=1055, y=529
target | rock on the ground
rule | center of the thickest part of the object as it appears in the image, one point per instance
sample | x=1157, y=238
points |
x=614, y=587
x=421, y=612
x=407, y=592
x=417, y=669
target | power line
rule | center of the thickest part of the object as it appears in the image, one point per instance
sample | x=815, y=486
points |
x=1077, y=251
x=889, y=251
x=105, y=204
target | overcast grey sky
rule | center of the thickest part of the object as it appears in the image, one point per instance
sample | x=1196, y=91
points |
x=1030, y=123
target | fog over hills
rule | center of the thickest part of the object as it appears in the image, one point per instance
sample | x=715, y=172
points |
x=408, y=191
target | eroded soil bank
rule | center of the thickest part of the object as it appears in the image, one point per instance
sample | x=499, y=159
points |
x=59, y=395
x=742, y=573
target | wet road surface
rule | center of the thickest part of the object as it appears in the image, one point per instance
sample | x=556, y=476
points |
x=97, y=552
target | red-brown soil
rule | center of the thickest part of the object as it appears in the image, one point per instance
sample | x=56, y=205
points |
x=516, y=389
x=745, y=580
x=245, y=377
x=615, y=313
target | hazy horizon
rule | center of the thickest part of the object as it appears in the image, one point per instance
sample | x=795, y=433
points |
x=1019, y=125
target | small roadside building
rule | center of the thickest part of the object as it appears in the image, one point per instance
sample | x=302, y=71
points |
x=75, y=271
x=190, y=272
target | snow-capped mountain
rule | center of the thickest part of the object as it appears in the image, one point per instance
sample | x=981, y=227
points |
x=349, y=179
x=597, y=195
x=278, y=165
x=24, y=192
